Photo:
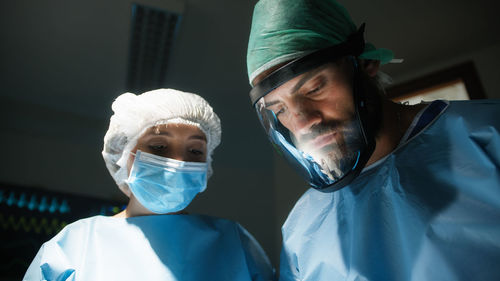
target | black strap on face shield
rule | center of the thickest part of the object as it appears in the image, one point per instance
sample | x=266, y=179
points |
x=354, y=45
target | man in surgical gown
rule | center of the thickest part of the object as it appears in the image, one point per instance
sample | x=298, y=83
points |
x=398, y=192
x=158, y=149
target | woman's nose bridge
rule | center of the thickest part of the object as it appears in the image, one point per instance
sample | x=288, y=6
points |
x=177, y=151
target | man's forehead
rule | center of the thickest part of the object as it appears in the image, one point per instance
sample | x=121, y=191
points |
x=293, y=85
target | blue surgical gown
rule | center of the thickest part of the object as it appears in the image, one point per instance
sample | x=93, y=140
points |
x=428, y=211
x=158, y=247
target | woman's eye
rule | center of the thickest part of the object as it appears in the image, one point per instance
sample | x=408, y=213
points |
x=196, y=151
x=158, y=147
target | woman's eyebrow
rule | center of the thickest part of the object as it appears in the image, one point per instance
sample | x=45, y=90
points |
x=198, y=137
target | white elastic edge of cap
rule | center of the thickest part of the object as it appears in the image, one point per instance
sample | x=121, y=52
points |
x=396, y=61
x=276, y=61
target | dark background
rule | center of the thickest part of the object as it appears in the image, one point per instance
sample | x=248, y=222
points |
x=62, y=63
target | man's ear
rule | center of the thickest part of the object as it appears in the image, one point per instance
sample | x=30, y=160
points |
x=371, y=67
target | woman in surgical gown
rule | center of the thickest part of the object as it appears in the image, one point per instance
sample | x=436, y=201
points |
x=158, y=149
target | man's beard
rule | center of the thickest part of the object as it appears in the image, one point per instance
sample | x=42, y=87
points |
x=340, y=154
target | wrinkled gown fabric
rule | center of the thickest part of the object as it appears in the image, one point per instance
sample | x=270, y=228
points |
x=428, y=211
x=165, y=247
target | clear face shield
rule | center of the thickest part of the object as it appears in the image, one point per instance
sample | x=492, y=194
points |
x=328, y=152
x=324, y=155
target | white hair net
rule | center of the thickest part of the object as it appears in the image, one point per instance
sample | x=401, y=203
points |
x=134, y=114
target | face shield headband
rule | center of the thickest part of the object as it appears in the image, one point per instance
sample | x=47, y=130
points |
x=330, y=157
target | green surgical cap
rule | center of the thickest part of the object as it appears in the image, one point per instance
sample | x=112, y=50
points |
x=283, y=30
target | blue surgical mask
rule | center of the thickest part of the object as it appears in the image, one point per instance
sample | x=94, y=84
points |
x=164, y=185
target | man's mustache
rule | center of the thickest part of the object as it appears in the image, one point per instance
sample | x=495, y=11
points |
x=321, y=129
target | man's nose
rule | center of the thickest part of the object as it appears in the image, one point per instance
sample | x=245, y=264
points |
x=304, y=116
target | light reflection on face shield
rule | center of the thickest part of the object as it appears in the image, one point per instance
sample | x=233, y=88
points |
x=303, y=163
x=334, y=146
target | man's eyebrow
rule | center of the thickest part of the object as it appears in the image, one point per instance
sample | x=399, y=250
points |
x=271, y=103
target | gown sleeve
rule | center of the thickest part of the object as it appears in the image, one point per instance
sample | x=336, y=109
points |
x=49, y=264
x=258, y=263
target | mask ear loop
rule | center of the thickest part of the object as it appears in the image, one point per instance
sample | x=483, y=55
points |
x=135, y=154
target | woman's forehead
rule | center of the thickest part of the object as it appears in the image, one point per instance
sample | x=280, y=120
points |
x=176, y=129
